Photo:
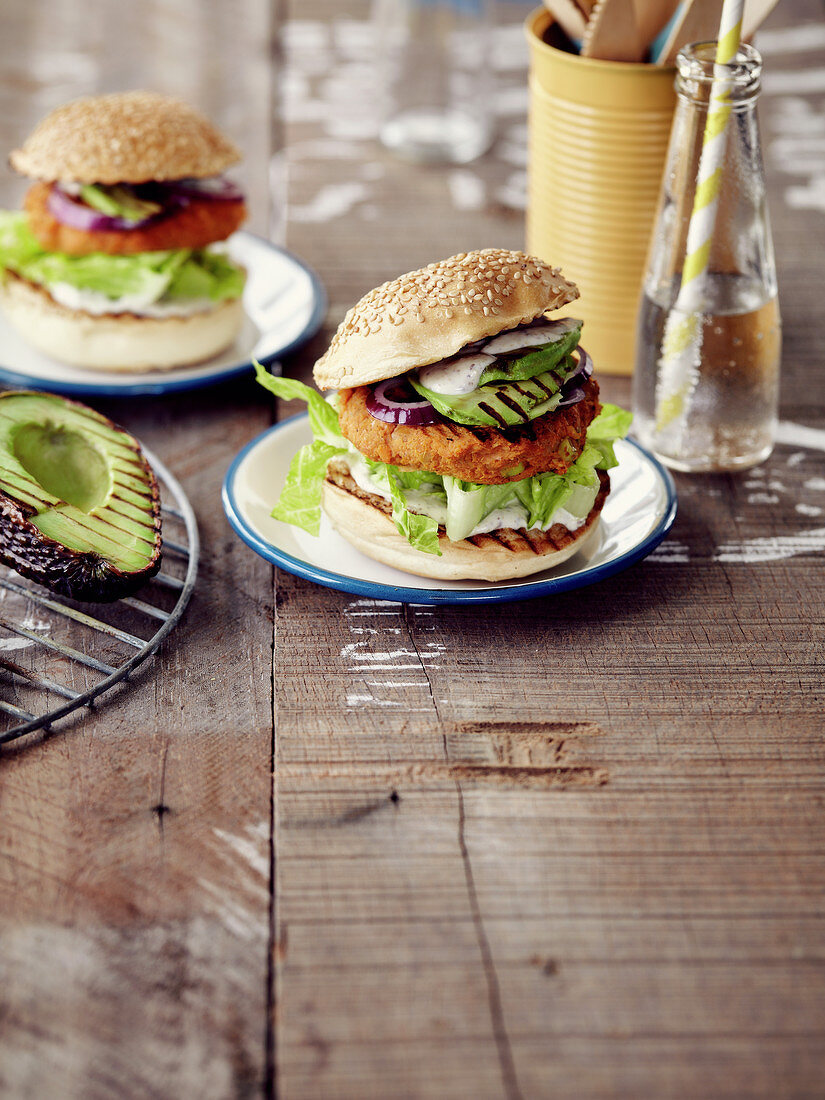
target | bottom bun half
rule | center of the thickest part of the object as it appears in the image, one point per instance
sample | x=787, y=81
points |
x=117, y=342
x=363, y=519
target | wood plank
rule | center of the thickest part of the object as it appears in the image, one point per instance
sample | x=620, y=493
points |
x=525, y=940
x=618, y=1068
x=135, y=849
x=433, y=829
x=136, y=857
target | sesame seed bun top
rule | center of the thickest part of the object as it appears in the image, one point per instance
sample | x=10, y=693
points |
x=128, y=137
x=430, y=314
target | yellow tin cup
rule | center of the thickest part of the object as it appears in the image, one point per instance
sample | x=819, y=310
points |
x=597, y=140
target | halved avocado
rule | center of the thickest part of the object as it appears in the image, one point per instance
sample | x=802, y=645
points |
x=79, y=503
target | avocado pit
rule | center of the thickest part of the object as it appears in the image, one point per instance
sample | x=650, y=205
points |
x=79, y=503
x=64, y=463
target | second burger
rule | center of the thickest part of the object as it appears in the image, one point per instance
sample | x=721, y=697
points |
x=115, y=262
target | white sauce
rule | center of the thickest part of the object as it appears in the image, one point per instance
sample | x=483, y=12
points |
x=92, y=301
x=530, y=337
x=462, y=373
x=457, y=375
x=513, y=515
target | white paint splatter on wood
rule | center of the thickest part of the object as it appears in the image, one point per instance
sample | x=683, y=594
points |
x=235, y=917
x=466, y=190
x=794, y=40
x=794, y=82
x=772, y=549
x=800, y=436
x=671, y=551
x=332, y=201
x=248, y=850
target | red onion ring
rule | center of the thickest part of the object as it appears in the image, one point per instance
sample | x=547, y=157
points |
x=71, y=211
x=418, y=413
x=218, y=188
x=175, y=194
x=584, y=366
x=573, y=397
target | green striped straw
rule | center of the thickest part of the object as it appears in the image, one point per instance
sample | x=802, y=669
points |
x=681, y=345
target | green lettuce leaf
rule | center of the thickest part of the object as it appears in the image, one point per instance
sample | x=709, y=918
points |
x=542, y=496
x=18, y=244
x=323, y=418
x=300, y=499
x=174, y=273
x=206, y=274
x=468, y=504
x=611, y=424
x=421, y=532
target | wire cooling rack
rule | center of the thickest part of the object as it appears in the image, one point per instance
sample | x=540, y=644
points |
x=58, y=656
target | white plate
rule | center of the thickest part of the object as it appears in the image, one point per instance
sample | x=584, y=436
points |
x=636, y=517
x=284, y=303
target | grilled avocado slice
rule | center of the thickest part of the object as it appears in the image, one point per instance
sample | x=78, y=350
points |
x=79, y=504
x=501, y=404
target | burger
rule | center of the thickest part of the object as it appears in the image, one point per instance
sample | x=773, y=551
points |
x=464, y=437
x=113, y=262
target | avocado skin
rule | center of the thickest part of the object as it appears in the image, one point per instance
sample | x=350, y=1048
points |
x=77, y=574
x=80, y=575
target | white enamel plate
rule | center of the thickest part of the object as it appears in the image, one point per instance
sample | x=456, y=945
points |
x=637, y=515
x=284, y=303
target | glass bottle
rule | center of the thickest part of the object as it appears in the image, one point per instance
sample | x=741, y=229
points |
x=719, y=410
x=437, y=72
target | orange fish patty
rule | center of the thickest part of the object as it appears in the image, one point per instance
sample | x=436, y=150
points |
x=197, y=225
x=484, y=455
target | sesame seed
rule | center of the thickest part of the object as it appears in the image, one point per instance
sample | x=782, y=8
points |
x=128, y=137
x=470, y=285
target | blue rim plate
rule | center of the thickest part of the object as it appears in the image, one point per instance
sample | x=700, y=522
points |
x=284, y=302
x=637, y=515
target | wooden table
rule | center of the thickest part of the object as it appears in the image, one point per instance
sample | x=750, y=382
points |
x=332, y=847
